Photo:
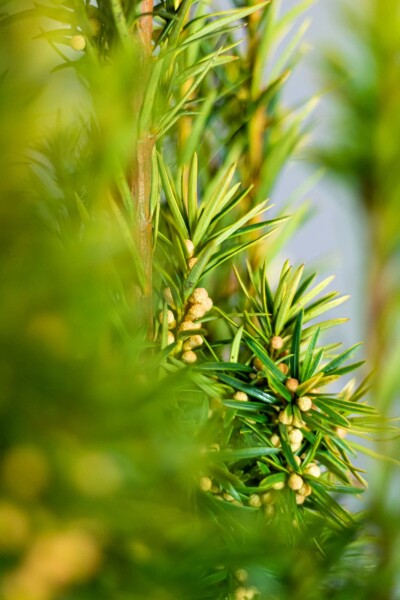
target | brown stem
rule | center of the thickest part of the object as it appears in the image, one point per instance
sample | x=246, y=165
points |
x=141, y=168
x=145, y=27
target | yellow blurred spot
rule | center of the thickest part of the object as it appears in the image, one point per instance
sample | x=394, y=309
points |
x=14, y=528
x=97, y=474
x=51, y=331
x=95, y=26
x=78, y=42
x=65, y=557
x=140, y=551
x=25, y=472
x=23, y=585
x=54, y=561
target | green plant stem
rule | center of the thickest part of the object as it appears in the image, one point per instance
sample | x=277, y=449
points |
x=142, y=168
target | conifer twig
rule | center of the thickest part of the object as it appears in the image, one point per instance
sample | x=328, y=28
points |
x=141, y=168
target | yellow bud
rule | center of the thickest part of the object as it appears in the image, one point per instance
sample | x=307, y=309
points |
x=189, y=357
x=77, y=43
x=170, y=338
x=292, y=384
x=283, y=368
x=276, y=342
x=241, y=575
x=300, y=499
x=199, y=295
x=188, y=326
x=257, y=364
x=189, y=248
x=305, y=490
x=304, y=403
x=191, y=262
x=295, y=446
x=170, y=317
x=208, y=304
x=267, y=498
x=228, y=497
x=205, y=484
x=196, y=311
x=242, y=396
x=295, y=436
x=313, y=470
x=255, y=501
x=269, y=511
x=168, y=297
x=295, y=482
x=241, y=593
x=193, y=342
x=275, y=440
x=285, y=418
x=279, y=486
x=341, y=432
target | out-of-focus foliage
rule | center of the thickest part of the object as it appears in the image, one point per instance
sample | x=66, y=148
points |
x=365, y=152
x=365, y=149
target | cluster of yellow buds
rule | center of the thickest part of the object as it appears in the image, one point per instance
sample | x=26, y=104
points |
x=245, y=593
x=294, y=423
x=207, y=485
x=197, y=306
x=295, y=482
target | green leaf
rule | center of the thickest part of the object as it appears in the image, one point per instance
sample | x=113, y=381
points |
x=309, y=384
x=286, y=448
x=223, y=256
x=274, y=375
x=216, y=197
x=197, y=68
x=332, y=366
x=269, y=481
x=329, y=506
x=323, y=305
x=285, y=272
x=198, y=126
x=287, y=298
x=346, y=405
x=246, y=406
x=289, y=49
x=224, y=366
x=170, y=116
x=336, y=418
x=224, y=19
x=303, y=299
x=250, y=390
x=244, y=453
x=373, y=454
x=172, y=200
x=235, y=349
x=306, y=367
x=296, y=342
x=192, y=204
x=266, y=360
